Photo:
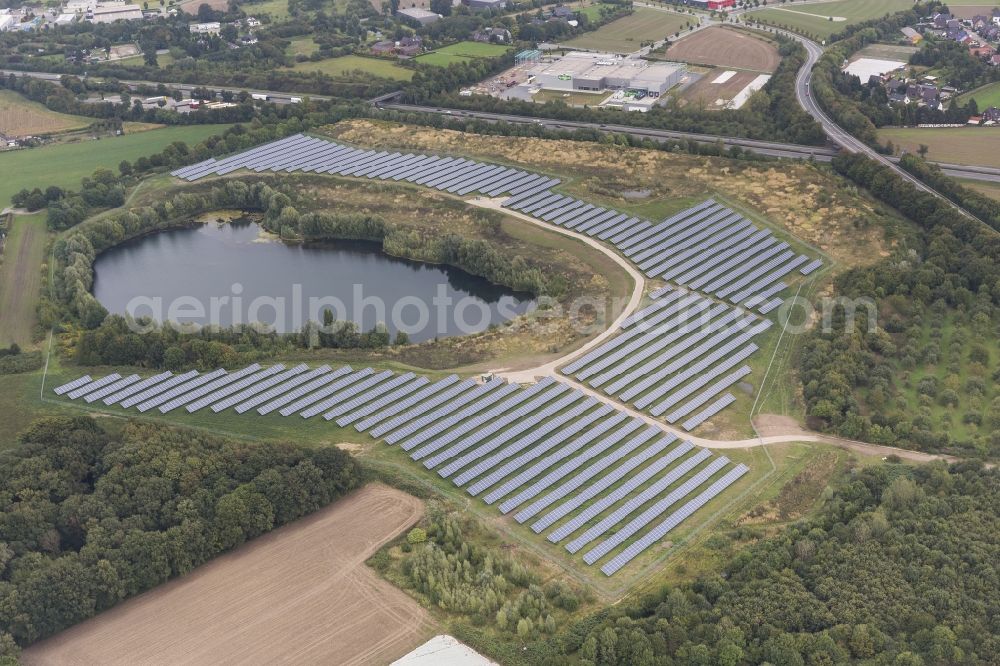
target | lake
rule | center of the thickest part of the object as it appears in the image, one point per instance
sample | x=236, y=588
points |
x=225, y=274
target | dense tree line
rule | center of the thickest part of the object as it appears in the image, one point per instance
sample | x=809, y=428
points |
x=980, y=205
x=88, y=518
x=953, y=265
x=13, y=360
x=898, y=568
x=772, y=114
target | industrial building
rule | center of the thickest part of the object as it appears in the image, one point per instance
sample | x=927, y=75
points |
x=598, y=72
x=419, y=15
x=109, y=12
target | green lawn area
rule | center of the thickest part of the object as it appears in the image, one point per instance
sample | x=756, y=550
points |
x=592, y=11
x=571, y=98
x=20, y=278
x=815, y=20
x=956, y=145
x=986, y=96
x=626, y=34
x=161, y=60
x=346, y=64
x=302, y=46
x=65, y=164
x=460, y=52
x=276, y=9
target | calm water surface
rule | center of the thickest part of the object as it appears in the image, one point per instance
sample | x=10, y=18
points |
x=225, y=274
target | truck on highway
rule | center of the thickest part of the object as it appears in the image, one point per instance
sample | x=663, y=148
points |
x=261, y=97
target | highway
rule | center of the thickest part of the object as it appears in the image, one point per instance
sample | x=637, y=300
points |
x=838, y=137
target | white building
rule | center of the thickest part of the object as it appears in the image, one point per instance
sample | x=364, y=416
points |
x=205, y=28
x=6, y=22
x=79, y=6
x=65, y=19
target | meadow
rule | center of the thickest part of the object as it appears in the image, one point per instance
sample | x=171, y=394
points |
x=36, y=167
x=20, y=116
x=953, y=145
x=824, y=19
x=627, y=34
x=344, y=65
x=460, y=52
x=20, y=278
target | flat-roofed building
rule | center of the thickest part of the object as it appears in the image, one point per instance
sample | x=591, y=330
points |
x=597, y=72
x=419, y=15
x=109, y=12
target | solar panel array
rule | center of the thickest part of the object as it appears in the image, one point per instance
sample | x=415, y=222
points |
x=707, y=247
x=307, y=154
x=577, y=467
x=683, y=346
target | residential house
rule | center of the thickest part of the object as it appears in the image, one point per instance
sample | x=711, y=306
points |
x=492, y=36
x=383, y=48
x=991, y=115
x=982, y=51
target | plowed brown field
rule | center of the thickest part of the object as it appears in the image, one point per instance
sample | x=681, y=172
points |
x=726, y=48
x=300, y=594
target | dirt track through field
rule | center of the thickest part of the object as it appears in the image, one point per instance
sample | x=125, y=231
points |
x=20, y=279
x=301, y=594
x=726, y=48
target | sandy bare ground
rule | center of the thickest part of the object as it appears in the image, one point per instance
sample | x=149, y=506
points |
x=724, y=47
x=301, y=594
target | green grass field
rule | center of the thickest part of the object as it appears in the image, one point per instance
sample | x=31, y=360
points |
x=65, y=164
x=985, y=97
x=20, y=278
x=138, y=60
x=460, y=52
x=276, y=9
x=346, y=64
x=302, y=46
x=627, y=34
x=955, y=145
x=815, y=20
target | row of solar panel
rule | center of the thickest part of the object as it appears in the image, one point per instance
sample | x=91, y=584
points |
x=312, y=155
x=573, y=458
x=707, y=246
x=680, y=348
x=492, y=438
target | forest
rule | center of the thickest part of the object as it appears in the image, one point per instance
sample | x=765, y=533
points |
x=90, y=517
x=853, y=376
x=899, y=567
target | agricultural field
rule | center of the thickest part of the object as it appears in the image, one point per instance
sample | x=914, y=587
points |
x=724, y=47
x=20, y=116
x=33, y=167
x=824, y=19
x=276, y=9
x=952, y=145
x=301, y=592
x=20, y=278
x=985, y=97
x=991, y=190
x=460, y=52
x=627, y=34
x=346, y=65
x=967, y=9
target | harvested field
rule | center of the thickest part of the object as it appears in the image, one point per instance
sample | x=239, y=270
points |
x=954, y=145
x=300, y=594
x=19, y=116
x=801, y=198
x=707, y=94
x=725, y=47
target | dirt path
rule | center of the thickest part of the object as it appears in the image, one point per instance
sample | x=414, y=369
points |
x=301, y=594
x=639, y=280
x=773, y=429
